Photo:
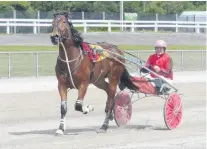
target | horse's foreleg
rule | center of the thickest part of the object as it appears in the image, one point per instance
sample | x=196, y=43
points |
x=79, y=106
x=63, y=107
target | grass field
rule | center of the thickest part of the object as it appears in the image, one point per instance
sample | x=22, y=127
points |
x=123, y=47
x=24, y=64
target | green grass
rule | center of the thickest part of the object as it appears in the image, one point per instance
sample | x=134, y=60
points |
x=27, y=48
x=25, y=64
x=123, y=47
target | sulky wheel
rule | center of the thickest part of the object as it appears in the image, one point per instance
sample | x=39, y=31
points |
x=122, y=108
x=173, y=111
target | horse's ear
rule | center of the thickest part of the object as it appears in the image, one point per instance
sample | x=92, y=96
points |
x=54, y=13
x=66, y=14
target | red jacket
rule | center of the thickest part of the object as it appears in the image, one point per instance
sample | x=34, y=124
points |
x=165, y=64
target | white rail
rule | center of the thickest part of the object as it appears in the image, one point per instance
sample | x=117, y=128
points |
x=42, y=63
x=35, y=23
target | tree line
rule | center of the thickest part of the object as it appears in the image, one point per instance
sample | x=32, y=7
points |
x=140, y=7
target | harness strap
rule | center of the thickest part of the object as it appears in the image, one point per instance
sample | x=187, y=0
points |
x=60, y=70
x=92, y=71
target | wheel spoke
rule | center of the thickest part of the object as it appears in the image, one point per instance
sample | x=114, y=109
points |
x=173, y=111
x=123, y=108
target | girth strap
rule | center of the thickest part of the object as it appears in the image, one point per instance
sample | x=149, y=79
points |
x=92, y=71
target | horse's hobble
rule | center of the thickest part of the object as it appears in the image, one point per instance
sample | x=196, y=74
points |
x=63, y=109
x=79, y=106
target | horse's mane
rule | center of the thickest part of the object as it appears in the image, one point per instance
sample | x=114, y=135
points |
x=76, y=35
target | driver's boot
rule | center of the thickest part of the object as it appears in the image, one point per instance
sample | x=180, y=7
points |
x=165, y=89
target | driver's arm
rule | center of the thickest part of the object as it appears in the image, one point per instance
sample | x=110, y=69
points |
x=167, y=67
x=148, y=65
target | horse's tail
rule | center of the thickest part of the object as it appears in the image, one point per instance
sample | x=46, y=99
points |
x=126, y=81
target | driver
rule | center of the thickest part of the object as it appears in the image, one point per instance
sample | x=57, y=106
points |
x=161, y=63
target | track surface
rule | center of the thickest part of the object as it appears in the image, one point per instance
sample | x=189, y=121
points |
x=114, y=38
x=29, y=120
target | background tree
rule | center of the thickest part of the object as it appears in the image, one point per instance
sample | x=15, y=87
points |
x=155, y=7
x=105, y=6
x=140, y=7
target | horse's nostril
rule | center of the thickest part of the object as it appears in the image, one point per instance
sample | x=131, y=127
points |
x=54, y=39
x=54, y=36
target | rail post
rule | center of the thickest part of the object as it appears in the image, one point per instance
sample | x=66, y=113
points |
x=7, y=27
x=104, y=16
x=85, y=27
x=15, y=16
x=9, y=65
x=132, y=27
x=176, y=25
x=35, y=28
x=181, y=60
x=197, y=28
x=202, y=67
x=156, y=26
x=37, y=65
x=38, y=17
x=109, y=26
x=83, y=15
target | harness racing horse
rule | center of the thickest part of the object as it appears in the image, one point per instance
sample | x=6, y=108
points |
x=75, y=70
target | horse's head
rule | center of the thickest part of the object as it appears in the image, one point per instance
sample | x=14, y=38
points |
x=60, y=28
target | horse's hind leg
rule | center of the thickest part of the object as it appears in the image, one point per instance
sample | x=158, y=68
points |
x=112, y=87
x=102, y=84
x=63, y=107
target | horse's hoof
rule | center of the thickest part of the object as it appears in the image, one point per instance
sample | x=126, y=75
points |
x=103, y=129
x=78, y=106
x=59, y=132
x=86, y=109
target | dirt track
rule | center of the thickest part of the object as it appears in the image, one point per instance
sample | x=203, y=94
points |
x=29, y=120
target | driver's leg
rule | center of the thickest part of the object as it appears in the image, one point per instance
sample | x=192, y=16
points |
x=165, y=87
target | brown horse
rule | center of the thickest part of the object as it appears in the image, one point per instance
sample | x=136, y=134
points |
x=75, y=70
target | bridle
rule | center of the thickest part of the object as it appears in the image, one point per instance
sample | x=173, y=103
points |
x=61, y=38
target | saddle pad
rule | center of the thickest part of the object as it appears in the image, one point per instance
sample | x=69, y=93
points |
x=95, y=52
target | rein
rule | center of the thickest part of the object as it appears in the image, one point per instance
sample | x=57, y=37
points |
x=70, y=61
x=60, y=42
